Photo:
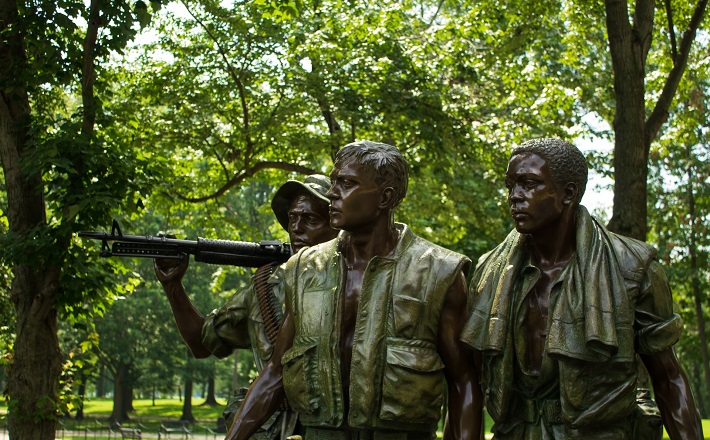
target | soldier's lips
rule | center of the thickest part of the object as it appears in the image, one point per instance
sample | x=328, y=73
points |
x=518, y=215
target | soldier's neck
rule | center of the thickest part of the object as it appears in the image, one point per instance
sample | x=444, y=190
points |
x=361, y=246
x=554, y=246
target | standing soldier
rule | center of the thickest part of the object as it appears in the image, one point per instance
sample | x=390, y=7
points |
x=370, y=338
x=251, y=318
x=563, y=310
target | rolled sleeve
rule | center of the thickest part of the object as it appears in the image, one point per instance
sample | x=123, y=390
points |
x=658, y=327
x=227, y=328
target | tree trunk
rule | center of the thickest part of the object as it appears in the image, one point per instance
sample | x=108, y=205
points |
x=187, y=403
x=34, y=373
x=82, y=393
x=634, y=133
x=128, y=393
x=119, y=414
x=696, y=383
x=101, y=381
x=629, y=48
x=235, y=373
x=210, y=399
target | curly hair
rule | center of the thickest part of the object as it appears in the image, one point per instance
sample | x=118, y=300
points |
x=383, y=162
x=567, y=164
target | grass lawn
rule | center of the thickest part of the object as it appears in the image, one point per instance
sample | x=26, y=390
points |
x=148, y=416
x=706, y=430
x=163, y=409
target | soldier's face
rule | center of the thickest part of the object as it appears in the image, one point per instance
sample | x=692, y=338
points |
x=536, y=203
x=308, y=222
x=354, y=197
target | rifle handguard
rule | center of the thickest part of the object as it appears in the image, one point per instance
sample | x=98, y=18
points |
x=205, y=250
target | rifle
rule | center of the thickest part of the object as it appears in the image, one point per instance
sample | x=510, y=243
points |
x=232, y=253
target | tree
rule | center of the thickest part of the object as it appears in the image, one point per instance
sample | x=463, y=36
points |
x=629, y=45
x=80, y=364
x=209, y=392
x=136, y=335
x=7, y=312
x=123, y=333
x=680, y=218
x=248, y=93
x=189, y=382
x=680, y=227
x=61, y=174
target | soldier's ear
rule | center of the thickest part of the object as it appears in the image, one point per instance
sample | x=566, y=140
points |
x=571, y=193
x=387, y=198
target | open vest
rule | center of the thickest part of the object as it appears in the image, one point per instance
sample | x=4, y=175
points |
x=396, y=373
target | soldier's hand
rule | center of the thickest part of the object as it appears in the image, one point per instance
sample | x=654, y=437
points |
x=170, y=270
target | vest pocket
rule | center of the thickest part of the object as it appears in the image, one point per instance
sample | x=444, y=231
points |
x=299, y=375
x=597, y=393
x=412, y=384
x=407, y=314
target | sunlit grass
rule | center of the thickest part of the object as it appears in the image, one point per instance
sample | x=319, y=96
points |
x=163, y=409
x=706, y=430
x=148, y=416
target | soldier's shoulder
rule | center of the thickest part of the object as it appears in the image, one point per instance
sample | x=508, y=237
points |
x=633, y=255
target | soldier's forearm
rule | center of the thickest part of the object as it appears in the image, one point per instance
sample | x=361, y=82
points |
x=188, y=319
x=673, y=396
x=678, y=411
x=265, y=396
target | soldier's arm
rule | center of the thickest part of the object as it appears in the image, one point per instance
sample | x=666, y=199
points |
x=464, y=420
x=266, y=393
x=673, y=396
x=188, y=319
x=658, y=327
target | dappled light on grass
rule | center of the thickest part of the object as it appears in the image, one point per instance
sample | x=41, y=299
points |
x=163, y=409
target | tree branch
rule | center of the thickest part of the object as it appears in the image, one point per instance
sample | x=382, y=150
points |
x=436, y=14
x=237, y=79
x=245, y=174
x=88, y=71
x=619, y=30
x=659, y=115
x=671, y=29
x=643, y=26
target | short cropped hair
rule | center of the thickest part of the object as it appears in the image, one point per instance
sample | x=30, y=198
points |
x=567, y=163
x=383, y=162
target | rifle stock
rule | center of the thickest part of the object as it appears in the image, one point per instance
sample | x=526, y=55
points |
x=204, y=250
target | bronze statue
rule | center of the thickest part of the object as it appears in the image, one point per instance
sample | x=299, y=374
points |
x=372, y=324
x=251, y=318
x=563, y=310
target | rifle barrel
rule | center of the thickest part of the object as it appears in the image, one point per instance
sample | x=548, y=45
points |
x=233, y=253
